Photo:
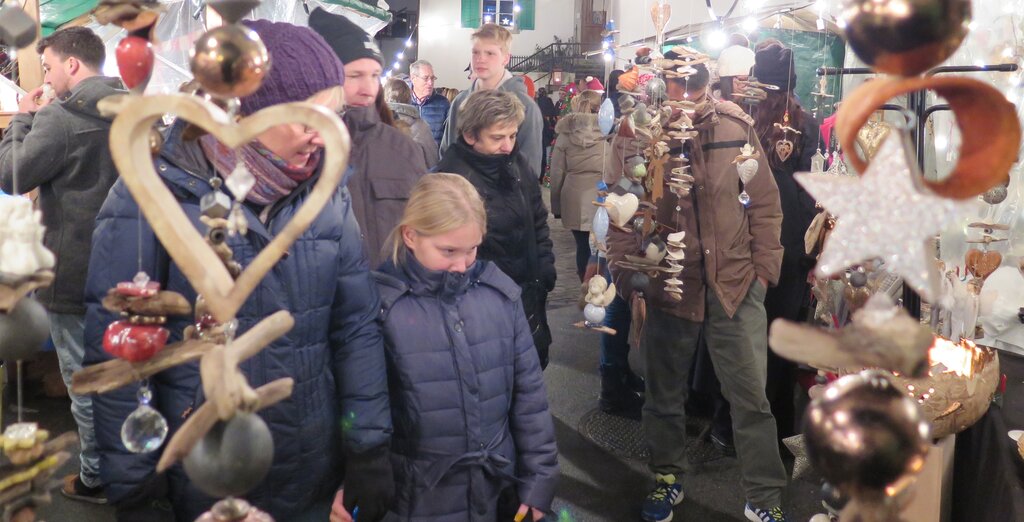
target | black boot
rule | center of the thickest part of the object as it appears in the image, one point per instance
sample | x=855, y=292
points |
x=617, y=397
x=635, y=382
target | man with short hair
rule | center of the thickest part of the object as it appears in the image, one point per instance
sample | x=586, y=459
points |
x=385, y=162
x=492, y=48
x=732, y=253
x=433, y=107
x=61, y=147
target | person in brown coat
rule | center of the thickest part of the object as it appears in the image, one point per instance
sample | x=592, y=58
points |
x=733, y=254
x=385, y=162
x=577, y=163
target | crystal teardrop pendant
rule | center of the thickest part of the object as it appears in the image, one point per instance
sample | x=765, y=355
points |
x=145, y=429
x=744, y=199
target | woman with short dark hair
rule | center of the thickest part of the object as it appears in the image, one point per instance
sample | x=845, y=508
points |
x=517, y=240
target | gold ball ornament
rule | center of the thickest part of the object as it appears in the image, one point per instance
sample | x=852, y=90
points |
x=905, y=37
x=229, y=61
x=865, y=435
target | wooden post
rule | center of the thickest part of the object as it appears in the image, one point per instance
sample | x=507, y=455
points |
x=30, y=68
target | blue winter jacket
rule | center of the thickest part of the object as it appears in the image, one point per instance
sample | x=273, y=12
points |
x=467, y=395
x=334, y=353
x=434, y=111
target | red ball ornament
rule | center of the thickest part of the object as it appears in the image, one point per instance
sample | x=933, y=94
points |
x=134, y=342
x=135, y=62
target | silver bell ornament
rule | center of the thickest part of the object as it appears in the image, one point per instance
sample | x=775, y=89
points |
x=23, y=330
x=233, y=457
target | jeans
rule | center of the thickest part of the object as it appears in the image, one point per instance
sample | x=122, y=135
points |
x=68, y=332
x=739, y=351
x=615, y=348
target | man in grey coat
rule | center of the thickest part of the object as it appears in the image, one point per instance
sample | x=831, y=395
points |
x=492, y=47
x=59, y=145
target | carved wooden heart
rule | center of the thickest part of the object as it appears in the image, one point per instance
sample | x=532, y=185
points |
x=129, y=142
x=871, y=136
x=784, y=149
x=982, y=264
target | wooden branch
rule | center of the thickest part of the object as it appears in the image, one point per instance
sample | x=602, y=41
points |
x=205, y=417
x=600, y=329
x=223, y=383
x=113, y=374
x=10, y=295
x=129, y=141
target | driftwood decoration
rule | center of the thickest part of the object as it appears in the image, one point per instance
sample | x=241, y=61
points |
x=29, y=485
x=129, y=142
x=205, y=417
x=10, y=295
x=223, y=383
x=113, y=374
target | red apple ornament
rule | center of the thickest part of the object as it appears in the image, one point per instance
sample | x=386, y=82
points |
x=135, y=62
x=134, y=342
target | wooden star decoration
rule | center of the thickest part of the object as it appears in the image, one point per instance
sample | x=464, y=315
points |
x=885, y=214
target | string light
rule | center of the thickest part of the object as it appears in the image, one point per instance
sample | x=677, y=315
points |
x=400, y=56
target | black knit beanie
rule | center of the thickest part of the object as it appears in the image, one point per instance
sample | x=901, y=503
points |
x=349, y=41
x=774, y=65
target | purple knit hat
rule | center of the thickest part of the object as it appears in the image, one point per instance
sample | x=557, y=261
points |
x=301, y=65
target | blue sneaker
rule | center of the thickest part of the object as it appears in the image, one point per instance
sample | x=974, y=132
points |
x=658, y=505
x=754, y=514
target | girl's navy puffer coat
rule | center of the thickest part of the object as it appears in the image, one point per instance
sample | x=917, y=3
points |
x=334, y=352
x=467, y=394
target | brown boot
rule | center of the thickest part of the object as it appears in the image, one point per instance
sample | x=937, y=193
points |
x=75, y=489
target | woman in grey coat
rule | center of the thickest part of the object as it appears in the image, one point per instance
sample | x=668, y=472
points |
x=398, y=96
x=468, y=402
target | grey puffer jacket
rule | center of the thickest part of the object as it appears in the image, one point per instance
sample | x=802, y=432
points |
x=418, y=129
x=530, y=137
x=468, y=401
x=63, y=150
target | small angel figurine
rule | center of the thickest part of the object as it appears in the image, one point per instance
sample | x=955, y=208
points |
x=599, y=295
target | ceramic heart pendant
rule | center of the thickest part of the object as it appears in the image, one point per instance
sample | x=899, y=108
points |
x=982, y=264
x=129, y=141
x=747, y=170
x=871, y=136
x=784, y=149
x=621, y=208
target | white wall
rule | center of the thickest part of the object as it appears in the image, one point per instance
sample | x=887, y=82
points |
x=444, y=42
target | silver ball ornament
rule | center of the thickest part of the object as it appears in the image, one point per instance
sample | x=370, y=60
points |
x=232, y=458
x=23, y=330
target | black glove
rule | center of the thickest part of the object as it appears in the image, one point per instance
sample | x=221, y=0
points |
x=369, y=483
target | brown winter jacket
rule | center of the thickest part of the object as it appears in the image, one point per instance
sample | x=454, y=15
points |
x=385, y=165
x=577, y=161
x=727, y=245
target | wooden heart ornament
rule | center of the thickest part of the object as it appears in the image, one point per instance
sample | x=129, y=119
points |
x=982, y=264
x=784, y=149
x=129, y=142
x=871, y=136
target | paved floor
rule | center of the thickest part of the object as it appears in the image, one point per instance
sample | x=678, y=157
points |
x=596, y=484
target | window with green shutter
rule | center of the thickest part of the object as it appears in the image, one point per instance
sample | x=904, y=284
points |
x=514, y=14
